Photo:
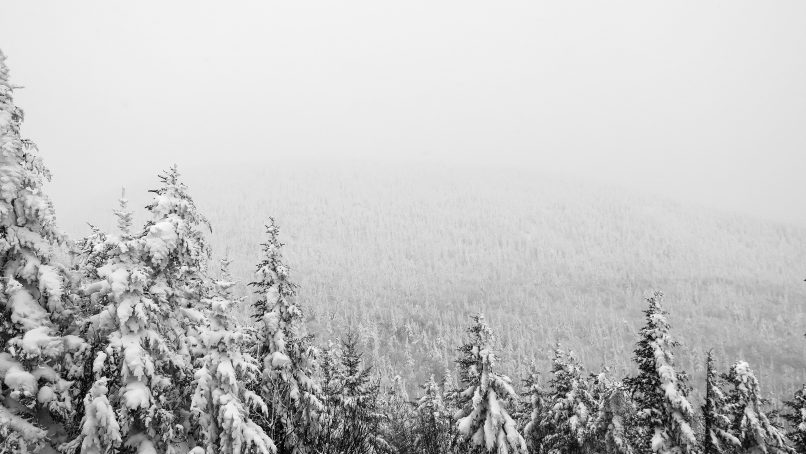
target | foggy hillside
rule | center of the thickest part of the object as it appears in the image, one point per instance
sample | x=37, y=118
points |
x=403, y=252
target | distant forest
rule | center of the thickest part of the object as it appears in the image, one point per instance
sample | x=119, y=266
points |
x=145, y=338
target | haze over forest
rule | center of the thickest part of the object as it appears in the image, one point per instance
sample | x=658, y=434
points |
x=691, y=100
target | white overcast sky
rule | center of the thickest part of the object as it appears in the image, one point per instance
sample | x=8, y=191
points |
x=698, y=100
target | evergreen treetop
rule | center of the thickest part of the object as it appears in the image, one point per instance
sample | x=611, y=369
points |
x=664, y=414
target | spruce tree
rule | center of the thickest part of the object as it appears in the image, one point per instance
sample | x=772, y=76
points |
x=664, y=417
x=39, y=354
x=536, y=395
x=288, y=359
x=569, y=406
x=482, y=419
x=397, y=427
x=353, y=422
x=148, y=293
x=717, y=438
x=796, y=417
x=433, y=431
x=221, y=400
x=749, y=424
x=608, y=428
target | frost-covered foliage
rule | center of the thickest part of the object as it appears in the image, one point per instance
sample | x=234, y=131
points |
x=145, y=315
x=482, y=419
x=608, y=427
x=222, y=400
x=536, y=395
x=796, y=417
x=398, y=423
x=664, y=415
x=717, y=437
x=288, y=358
x=569, y=406
x=750, y=425
x=173, y=240
x=38, y=355
x=434, y=428
x=352, y=423
x=124, y=214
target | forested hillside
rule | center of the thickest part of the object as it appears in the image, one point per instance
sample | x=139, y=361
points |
x=404, y=253
x=188, y=326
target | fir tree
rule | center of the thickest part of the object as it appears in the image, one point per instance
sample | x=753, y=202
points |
x=288, y=358
x=398, y=417
x=796, y=417
x=124, y=214
x=664, y=415
x=150, y=283
x=482, y=419
x=749, y=424
x=222, y=401
x=536, y=395
x=39, y=355
x=717, y=438
x=569, y=405
x=353, y=421
x=608, y=429
x=433, y=432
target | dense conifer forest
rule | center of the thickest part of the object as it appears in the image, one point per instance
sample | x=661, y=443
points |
x=142, y=339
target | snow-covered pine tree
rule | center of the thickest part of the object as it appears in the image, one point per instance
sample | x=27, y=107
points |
x=149, y=283
x=98, y=426
x=38, y=352
x=399, y=416
x=664, y=417
x=569, y=405
x=482, y=419
x=175, y=244
x=433, y=430
x=796, y=417
x=124, y=214
x=352, y=423
x=288, y=358
x=535, y=407
x=749, y=424
x=717, y=438
x=221, y=401
x=608, y=428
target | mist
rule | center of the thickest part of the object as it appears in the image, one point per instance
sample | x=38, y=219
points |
x=702, y=102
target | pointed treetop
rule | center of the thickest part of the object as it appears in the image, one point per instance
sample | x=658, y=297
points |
x=123, y=213
x=173, y=197
x=480, y=333
x=3, y=67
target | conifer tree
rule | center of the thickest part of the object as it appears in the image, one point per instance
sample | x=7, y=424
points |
x=536, y=395
x=39, y=355
x=288, y=358
x=664, y=415
x=796, y=417
x=398, y=417
x=124, y=214
x=353, y=421
x=717, y=438
x=150, y=285
x=222, y=401
x=569, y=405
x=482, y=419
x=433, y=432
x=749, y=424
x=608, y=430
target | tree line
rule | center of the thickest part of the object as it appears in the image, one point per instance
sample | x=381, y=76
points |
x=128, y=344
